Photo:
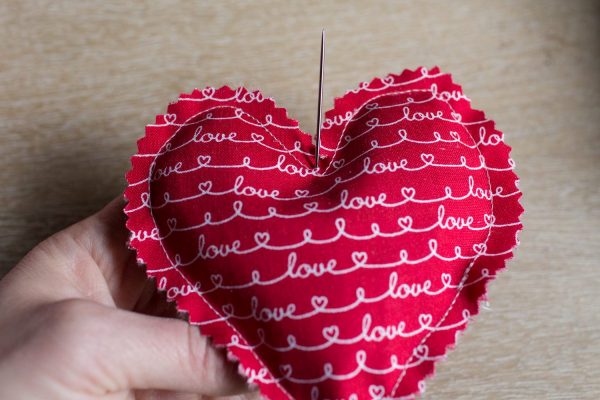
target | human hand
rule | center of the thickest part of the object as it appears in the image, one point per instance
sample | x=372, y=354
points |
x=75, y=323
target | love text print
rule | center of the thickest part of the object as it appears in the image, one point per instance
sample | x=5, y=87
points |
x=401, y=216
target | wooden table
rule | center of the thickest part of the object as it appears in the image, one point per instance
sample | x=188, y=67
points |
x=80, y=80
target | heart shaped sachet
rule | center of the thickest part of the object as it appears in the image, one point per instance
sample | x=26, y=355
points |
x=346, y=281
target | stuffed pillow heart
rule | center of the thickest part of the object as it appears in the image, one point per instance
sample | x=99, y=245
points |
x=344, y=281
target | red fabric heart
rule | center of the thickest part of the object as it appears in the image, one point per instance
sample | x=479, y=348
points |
x=344, y=282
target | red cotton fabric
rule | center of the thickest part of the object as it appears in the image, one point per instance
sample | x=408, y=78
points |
x=346, y=281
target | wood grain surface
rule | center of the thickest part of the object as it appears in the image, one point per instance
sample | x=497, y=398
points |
x=79, y=80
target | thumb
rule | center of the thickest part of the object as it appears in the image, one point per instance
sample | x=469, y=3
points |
x=146, y=352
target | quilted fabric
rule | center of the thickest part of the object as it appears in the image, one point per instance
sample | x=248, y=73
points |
x=346, y=281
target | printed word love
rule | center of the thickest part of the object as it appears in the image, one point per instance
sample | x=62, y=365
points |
x=343, y=279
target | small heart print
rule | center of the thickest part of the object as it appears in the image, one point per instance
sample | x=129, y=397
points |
x=313, y=205
x=216, y=279
x=204, y=187
x=208, y=92
x=427, y=158
x=408, y=192
x=170, y=118
x=319, y=301
x=337, y=164
x=376, y=392
x=203, y=160
x=261, y=237
x=331, y=332
x=425, y=320
x=405, y=222
x=359, y=257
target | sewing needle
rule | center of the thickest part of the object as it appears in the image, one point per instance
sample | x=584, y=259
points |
x=320, y=100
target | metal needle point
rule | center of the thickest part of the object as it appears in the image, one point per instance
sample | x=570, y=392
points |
x=320, y=100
